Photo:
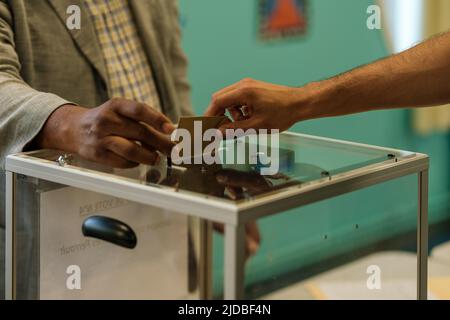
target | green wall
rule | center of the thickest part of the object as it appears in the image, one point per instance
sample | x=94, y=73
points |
x=221, y=42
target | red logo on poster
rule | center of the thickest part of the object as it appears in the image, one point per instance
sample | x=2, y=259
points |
x=286, y=15
x=282, y=18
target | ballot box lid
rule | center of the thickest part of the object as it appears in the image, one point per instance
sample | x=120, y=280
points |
x=245, y=183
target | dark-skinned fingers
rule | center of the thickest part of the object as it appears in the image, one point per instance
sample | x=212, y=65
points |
x=130, y=150
x=148, y=136
x=159, y=141
x=131, y=130
x=143, y=113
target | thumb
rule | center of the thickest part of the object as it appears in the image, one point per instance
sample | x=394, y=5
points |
x=221, y=103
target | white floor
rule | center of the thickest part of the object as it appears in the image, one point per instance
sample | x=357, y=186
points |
x=395, y=270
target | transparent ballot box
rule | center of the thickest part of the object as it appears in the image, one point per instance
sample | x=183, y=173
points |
x=80, y=230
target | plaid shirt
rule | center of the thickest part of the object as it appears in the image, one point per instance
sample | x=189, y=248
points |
x=129, y=71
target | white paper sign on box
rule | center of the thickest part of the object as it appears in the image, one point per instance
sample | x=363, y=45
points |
x=156, y=269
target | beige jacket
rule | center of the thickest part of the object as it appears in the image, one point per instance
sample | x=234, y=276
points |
x=43, y=64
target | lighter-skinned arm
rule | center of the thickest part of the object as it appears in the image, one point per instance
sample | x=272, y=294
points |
x=418, y=77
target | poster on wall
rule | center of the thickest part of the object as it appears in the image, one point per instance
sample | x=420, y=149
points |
x=282, y=19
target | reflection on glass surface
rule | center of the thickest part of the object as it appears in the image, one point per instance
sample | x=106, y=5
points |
x=301, y=159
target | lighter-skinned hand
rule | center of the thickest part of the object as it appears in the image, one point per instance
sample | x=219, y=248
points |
x=256, y=105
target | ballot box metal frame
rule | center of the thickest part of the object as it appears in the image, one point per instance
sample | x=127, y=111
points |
x=233, y=214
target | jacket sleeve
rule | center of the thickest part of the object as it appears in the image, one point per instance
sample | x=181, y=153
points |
x=180, y=64
x=23, y=110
